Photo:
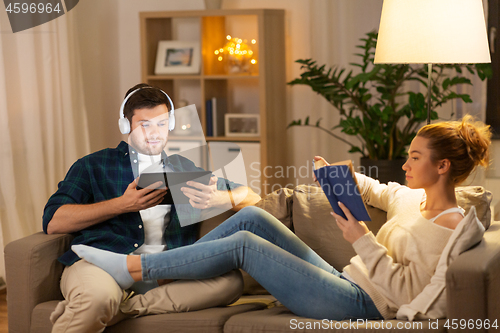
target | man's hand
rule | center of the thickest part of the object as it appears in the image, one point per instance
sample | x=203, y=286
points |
x=205, y=196
x=134, y=200
x=352, y=229
x=75, y=217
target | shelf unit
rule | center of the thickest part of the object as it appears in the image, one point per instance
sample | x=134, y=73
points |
x=265, y=86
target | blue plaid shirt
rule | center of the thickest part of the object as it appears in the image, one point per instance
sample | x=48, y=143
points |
x=105, y=175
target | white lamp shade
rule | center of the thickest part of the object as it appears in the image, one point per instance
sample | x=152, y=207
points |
x=432, y=32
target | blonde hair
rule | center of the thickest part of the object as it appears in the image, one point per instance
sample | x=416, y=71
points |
x=464, y=143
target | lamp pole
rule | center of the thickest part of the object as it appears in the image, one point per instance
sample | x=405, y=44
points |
x=429, y=91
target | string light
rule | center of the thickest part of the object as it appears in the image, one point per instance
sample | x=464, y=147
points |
x=237, y=53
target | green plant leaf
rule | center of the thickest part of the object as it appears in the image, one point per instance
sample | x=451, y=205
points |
x=374, y=105
x=366, y=98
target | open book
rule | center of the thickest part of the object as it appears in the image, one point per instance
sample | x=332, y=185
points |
x=338, y=181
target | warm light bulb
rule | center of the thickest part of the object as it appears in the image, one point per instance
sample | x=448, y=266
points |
x=216, y=52
x=253, y=61
x=228, y=37
x=220, y=58
x=254, y=41
x=221, y=50
x=240, y=41
x=250, y=52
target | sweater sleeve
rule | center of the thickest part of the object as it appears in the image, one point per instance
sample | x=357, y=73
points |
x=376, y=194
x=397, y=282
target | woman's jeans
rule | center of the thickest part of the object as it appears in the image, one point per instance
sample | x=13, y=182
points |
x=261, y=245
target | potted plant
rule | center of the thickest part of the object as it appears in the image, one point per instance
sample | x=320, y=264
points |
x=375, y=108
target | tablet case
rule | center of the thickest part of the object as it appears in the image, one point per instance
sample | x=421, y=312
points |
x=174, y=181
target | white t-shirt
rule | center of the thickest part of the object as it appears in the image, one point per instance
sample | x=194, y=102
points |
x=155, y=219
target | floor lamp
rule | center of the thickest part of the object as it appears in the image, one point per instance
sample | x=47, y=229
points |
x=432, y=32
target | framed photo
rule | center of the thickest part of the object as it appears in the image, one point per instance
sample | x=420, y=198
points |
x=177, y=57
x=239, y=124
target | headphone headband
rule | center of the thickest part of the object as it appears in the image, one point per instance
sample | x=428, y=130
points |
x=124, y=123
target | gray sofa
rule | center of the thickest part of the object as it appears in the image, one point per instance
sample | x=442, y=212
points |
x=473, y=279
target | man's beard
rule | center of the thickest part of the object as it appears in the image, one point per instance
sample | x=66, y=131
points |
x=150, y=149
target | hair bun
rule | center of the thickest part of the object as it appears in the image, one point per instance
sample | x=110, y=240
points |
x=477, y=138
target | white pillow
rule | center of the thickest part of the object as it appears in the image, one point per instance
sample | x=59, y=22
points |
x=431, y=302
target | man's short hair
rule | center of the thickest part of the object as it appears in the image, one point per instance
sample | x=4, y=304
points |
x=147, y=97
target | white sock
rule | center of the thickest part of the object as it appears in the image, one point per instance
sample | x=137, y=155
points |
x=114, y=264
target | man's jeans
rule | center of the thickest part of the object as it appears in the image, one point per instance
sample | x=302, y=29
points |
x=261, y=245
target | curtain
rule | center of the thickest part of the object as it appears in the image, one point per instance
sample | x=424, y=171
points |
x=43, y=124
x=336, y=27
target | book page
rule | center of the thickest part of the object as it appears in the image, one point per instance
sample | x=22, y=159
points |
x=320, y=163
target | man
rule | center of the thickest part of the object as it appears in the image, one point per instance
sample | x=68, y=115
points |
x=98, y=201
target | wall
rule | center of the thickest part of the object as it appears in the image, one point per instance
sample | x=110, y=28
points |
x=326, y=30
x=109, y=44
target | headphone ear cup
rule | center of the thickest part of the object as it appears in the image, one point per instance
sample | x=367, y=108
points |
x=124, y=125
x=171, y=122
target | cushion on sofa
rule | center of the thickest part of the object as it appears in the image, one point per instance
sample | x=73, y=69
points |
x=477, y=196
x=279, y=204
x=311, y=216
x=317, y=228
x=280, y=319
x=306, y=211
x=208, y=320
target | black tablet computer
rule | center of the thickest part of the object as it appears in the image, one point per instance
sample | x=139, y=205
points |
x=174, y=181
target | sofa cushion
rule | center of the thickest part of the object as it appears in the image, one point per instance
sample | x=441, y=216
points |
x=279, y=204
x=313, y=224
x=311, y=220
x=477, y=196
x=209, y=320
x=280, y=319
x=306, y=211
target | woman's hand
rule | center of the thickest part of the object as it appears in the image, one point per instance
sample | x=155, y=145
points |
x=322, y=161
x=352, y=229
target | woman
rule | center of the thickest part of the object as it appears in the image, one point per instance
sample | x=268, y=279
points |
x=388, y=271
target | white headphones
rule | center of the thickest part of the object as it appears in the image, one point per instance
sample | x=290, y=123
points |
x=124, y=123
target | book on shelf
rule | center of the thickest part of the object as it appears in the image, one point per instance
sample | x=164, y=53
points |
x=338, y=181
x=209, y=118
x=215, y=110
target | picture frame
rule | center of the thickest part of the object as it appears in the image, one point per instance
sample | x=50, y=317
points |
x=239, y=124
x=177, y=57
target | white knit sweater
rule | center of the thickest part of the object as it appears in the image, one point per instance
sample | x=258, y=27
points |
x=396, y=265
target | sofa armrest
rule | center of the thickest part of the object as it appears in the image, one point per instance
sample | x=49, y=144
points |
x=472, y=280
x=33, y=275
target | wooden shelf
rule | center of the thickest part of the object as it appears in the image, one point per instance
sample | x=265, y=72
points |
x=234, y=138
x=185, y=138
x=200, y=77
x=232, y=77
x=172, y=77
x=267, y=82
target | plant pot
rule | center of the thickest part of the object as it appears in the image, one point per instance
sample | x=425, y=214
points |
x=213, y=4
x=384, y=170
